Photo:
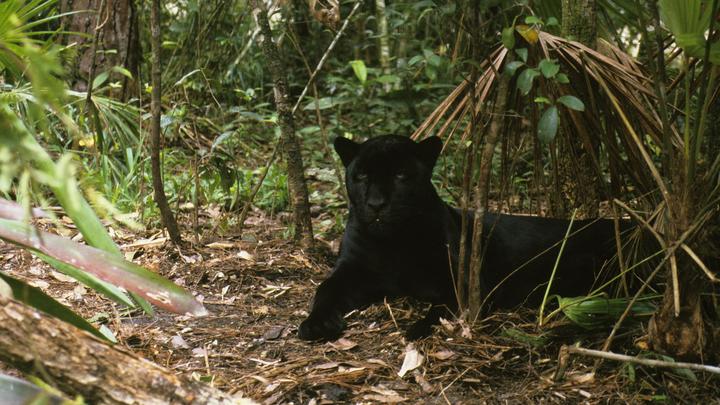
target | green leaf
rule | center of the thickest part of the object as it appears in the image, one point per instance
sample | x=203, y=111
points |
x=551, y=21
x=688, y=20
x=311, y=129
x=16, y=391
x=548, y=125
x=525, y=80
x=388, y=79
x=685, y=373
x=415, y=59
x=522, y=53
x=512, y=67
x=525, y=338
x=100, y=80
x=508, y=37
x=562, y=78
x=325, y=103
x=549, y=68
x=37, y=299
x=572, y=103
x=599, y=312
x=531, y=19
x=104, y=265
x=682, y=372
x=434, y=60
x=630, y=372
x=542, y=100
x=122, y=71
x=89, y=280
x=430, y=72
x=358, y=66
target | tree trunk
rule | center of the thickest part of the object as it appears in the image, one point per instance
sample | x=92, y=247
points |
x=476, y=297
x=577, y=178
x=118, y=45
x=579, y=21
x=166, y=214
x=383, y=38
x=687, y=335
x=78, y=363
x=288, y=141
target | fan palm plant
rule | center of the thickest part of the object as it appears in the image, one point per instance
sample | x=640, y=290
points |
x=658, y=156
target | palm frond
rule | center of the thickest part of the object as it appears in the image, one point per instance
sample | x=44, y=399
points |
x=596, y=78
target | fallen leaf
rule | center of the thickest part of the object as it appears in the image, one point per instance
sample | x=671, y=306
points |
x=42, y=284
x=274, y=332
x=61, y=277
x=220, y=245
x=343, y=344
x=200, y=352
x=466, y=333
x=443, y=354
x=191, y=258
x=246, y=256
x=378, y=362
x=385, y=399
x=413, y=359
x=449, y=326
x=581, y=378
x=343, y=369
x=146, y=243
x=79, y=292
x=642, y=344
x=261, y=310
x=130, y=255
x=384, y=391
x=271, y=387
x=178, y=342
x=326, y=366
x=422, y=382
x=584, y=393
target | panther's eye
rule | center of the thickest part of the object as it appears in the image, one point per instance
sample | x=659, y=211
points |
x=401, y=176
x=361, y=176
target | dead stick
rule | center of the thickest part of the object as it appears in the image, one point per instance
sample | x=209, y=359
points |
x=324, y=57
x=565, y=350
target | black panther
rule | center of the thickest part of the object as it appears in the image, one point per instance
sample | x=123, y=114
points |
x=402, y=240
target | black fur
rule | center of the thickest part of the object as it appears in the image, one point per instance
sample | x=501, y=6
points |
x=401, y=237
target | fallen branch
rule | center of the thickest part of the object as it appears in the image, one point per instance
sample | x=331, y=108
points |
x=77, y=363
x=566, y=351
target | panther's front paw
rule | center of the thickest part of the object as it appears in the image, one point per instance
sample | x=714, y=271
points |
x=317, y=327
x=418, y=330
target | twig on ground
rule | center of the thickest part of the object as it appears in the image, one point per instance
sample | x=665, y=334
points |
x=567, y=350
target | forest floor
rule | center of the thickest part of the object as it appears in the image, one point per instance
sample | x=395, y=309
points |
x=258, y=288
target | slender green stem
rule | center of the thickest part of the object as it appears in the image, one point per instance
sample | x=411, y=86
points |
x=557, y=263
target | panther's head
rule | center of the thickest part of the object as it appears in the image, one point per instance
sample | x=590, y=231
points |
x=388, y=180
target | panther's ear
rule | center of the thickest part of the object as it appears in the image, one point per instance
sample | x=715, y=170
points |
x=429, y=150
x=346, y=149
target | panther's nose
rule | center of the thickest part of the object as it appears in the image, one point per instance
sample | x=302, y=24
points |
x=376, y=204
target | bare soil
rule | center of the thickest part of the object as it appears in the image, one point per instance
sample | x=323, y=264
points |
x=258, y=288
